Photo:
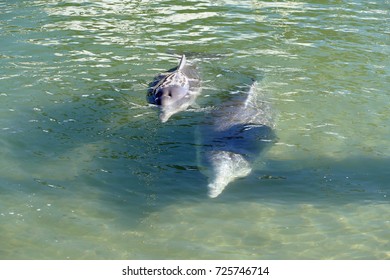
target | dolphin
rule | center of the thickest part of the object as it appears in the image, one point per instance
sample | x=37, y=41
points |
x=234, y=138
x=174, y=91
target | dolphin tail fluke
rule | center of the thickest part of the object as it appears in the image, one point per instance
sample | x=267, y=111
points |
x=182, y=62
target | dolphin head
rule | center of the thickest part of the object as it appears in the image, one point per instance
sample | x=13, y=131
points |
x=167, y=96
x=226, y=167
x=172, y=99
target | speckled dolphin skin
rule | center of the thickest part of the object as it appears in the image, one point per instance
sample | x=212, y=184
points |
x=175, y=91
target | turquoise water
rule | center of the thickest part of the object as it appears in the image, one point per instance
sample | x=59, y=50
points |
x=88, y=172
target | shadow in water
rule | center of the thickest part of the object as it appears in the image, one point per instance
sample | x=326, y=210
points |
x=110, y=184
x=324, y=180
x=103, y=149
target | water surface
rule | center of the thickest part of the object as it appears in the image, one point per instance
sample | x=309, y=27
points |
x=88, y=172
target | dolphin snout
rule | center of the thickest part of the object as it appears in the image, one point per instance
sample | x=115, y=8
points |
x=163, y=97
x=166, y=99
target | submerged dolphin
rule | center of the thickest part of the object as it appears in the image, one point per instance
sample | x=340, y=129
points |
x=175, y=91
x=236, y=136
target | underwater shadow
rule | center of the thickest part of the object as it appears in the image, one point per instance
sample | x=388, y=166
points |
x=103, y=149
x=324, y=180
x=132, y=166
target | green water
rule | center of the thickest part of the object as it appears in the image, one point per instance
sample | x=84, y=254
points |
x=88, y=172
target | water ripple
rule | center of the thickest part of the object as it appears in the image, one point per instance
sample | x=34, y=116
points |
x=78, y=135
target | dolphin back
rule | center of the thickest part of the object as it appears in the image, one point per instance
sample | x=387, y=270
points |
x=240, y=132
x=247, y=139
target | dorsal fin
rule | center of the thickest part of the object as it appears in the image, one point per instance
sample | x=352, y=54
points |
x=182, y=62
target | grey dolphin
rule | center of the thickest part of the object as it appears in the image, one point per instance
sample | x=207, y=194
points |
x=175, y=91
x=237, y=135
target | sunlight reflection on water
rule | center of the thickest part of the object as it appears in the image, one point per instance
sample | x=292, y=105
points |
x=89, y=169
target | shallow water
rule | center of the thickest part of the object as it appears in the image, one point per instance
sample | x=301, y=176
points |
x=88, y=172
